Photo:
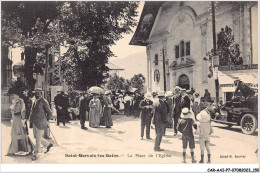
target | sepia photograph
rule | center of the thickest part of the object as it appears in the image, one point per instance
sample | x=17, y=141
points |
x=130, y=82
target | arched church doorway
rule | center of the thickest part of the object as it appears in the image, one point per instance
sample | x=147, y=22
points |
x=184, y=81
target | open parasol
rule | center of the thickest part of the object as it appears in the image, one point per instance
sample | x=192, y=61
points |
x=96, y=90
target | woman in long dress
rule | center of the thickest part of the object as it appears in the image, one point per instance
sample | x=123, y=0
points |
x=95, y=111
x=20, y=142
x=121, y=104
x=107, y=110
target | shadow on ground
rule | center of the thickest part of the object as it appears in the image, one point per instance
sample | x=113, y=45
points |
x=234, y=129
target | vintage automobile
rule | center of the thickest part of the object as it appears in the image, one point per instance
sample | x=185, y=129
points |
x=241, y=112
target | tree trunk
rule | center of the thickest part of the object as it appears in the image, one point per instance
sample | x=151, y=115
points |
x=30, y=59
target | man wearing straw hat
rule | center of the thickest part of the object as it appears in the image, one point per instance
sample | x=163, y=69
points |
x=146, y=106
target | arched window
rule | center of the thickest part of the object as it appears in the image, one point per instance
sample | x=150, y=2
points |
x=184, y=81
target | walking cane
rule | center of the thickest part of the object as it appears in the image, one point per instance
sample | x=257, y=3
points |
x=53, y=135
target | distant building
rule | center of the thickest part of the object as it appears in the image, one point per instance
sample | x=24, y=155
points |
x=113, y=69
x=6, y=77
x=180, y=33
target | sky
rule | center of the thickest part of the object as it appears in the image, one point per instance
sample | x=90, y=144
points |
x=122, y=49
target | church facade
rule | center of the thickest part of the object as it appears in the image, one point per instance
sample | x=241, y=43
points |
x=177, y=36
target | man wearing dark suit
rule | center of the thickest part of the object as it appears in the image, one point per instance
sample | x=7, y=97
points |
x=177, y=108
x=65, y=107
x=83, y=108
x=160, y=120
x=40, y=115
x=185, y=101
x=146, y=106
x=59, y=105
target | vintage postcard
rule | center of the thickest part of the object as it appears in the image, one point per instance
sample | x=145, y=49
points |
x=170, y=82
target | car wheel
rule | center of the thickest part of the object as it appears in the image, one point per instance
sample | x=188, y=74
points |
x=248, y=124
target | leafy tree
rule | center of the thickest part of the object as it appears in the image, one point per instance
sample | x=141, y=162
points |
x=116, y=83
x=137, y=81
x=26, y=24
x=227, y=50
x=93, y=27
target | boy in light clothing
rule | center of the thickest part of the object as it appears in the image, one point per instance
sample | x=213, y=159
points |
x=204, y=130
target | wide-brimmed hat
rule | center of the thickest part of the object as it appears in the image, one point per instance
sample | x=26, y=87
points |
x=203, y=116
x=148, y=96
x=212, y=110
x=107, y=92
x=169, y=94
x=160, y=94
x=186, y=113
x=120, y=95
x=39, y=90
x=177, y=87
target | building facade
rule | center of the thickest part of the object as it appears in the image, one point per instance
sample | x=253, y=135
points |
x=180, y=35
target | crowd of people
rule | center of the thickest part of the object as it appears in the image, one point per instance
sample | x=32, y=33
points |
x=96, y=108
x=181, y=110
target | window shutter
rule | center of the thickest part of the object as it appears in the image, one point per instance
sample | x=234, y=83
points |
x=156, y=59
x=177, y=52
x=187, y=48
x=182, y=48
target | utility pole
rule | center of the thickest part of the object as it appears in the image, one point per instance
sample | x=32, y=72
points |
x=214, y=49
x=164, y=75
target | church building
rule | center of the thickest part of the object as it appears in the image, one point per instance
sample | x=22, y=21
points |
x=178, y=34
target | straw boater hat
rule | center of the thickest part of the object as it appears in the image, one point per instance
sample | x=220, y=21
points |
x=37, y=89
x=168, y=94
x=183, y=89
x=203, y=116
x=185, y=113
x=148, y=96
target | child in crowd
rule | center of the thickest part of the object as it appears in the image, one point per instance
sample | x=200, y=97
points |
x=185, y=127
x=204, y=130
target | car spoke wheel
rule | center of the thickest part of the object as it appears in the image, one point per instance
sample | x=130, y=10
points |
x=248, y=124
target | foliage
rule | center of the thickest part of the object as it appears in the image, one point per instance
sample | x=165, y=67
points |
x=93, y=27
x=119, y=83
x=137, y=81
x=17, y=87
x=27, y=24
x=88, y=28
x=227, y=50
x=116, y=83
